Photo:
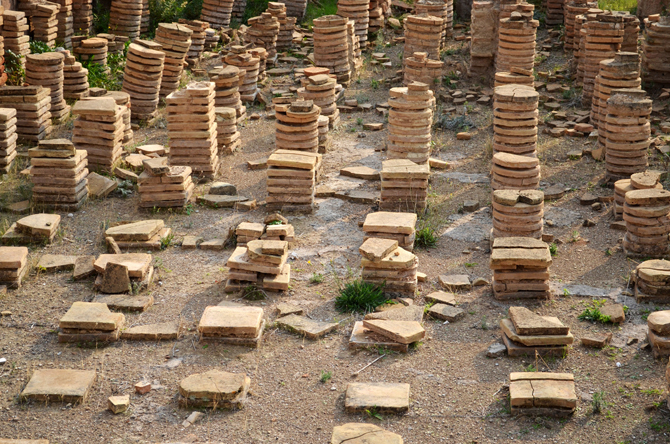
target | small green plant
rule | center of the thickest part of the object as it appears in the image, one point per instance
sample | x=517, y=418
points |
x=592, y=313
x=566, y=292
x=316, y=278
x=167, y=241
x=553, y=248
x=374, y=83
x=359, y=121
x=471, y=264
x=275, y=222
x=575, y=236
x=14, y=68
x=253, y=293
x=373, y=413
x=651, y=391
x=325, y=376
x=360, y=297
x=598, y=402
x=530, y=368
x=37, y=47
x=188, y=209
x=426, y=237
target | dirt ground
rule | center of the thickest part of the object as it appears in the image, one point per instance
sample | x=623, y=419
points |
x=457, y=394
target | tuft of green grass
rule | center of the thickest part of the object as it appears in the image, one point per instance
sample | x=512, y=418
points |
x=318, y=9
x=360, y=297
x=253, y=293
x=325, y=376
x=553, y=249
x=598, y=402
x=316, y=278
x=167, y=241
x=618, y=5
x=592, y=313
x=426, y=237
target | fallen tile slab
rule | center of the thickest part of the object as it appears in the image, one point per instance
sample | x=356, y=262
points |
x=551, y=394
x=239, y=322
x=441, y=297
x=213, y=245
x=360, y=172
x=375, y=249
x=597, y=340
x=515, y=349
x=362, y=337
x=56, y=262
x=100, y=186
x=191, y=242
x=399, y=313
x=59, y=385
x=22, y=207
x=306, y=326
x=508, y=329
x=384, y=397
x=285, y=309
x=136, y=231
x=361, y=433
x=124, y=302
x=152, y=332
x=214, y=389
x=118, y=404
x=83, y=267
x=220, y=201
x=446, y=312
x=528, y=323
x=455, y=282
x=405, y=332
x=115, y=279
x=138, y=263
x=91, y=316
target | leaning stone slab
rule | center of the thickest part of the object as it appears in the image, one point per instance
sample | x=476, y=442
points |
x=136, y=231
x=455, y=282
x=214, y=389
x=399, y=313
x=362, y=337
x=124, y=302
x=383, y=396
x=220, y=201
x=100, y=186
x=528, y=323
x=83, y=267
x=441, y=297
x=56, y=262
x=446, y=312
x=597, y=340
x=515, y=349
x=361, y=433
x=152, y=332
x=285, y=309
x=405, y=332
x=59, y=385
x=138, y=263
x=306, y=326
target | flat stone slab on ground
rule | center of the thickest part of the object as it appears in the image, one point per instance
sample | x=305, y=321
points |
x=152, y=332
x=22, y=207
x=41, y=224
x=214, y=389
x=405, y=332
x=446, y=312
x=191, y=242
x=515, y=349
x=399, y=313
x=455, y=282
x=528, y=323
x=239, y=322
x=361, y=433
x=306, y=326
x=285, y=309
x=596, y=340
x=441, y=297
x=508, y=329
x=223, y=189
x=362, y=337
x=124, y=302
x=142, y=230
x=220, y=201
x=137, y=263
x=213, y=245
x=360, y=172
x=59, y=385
x=56, y=262
x=83, y=267
x=384, y=397
x=554, y=392
x=388, y=222
x=91, y=316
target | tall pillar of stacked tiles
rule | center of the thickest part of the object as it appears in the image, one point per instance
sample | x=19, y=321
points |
x=285, y=35
x=93, y=49
x=320, y=89
x=43, y=20
x=645, y=213
x=82, y=11
x=555, y=12
x=580, y=42
x=573, y=8
x=354, y=45
x=518, y=213
x=296, y=8
x=125, y=18
x=483, y=44
x=517, y=76
x=410, y=122
x=228, y=137
x=404, y=186
x=516, y=43
x=192, y=128
x=227, y=82
x=628, y=133
x=656, y=50
x=115, y=43
x=8, y=138
x=434, y=8
x=146, y=17
x=602, y=40
x=238, y=10
x=75, y=78
x=262, y=55
x=3, y=74
x=291, y=180
x=211, y=39
x=623, y=71
x=165, y=187
x=331, y=46
x=520, y=268
x=515, y=118
x=296, y=127
x=47, y=70
x=198, y=37
x=263, y=31
x=515, y=172
x=217, y=13
x=325, y=141
x=14, y=29
x=99, y=130
x=65, y=23
x=175, y=40
x=142, y=77
x=631, y=31
x=122, y=99
x=638, y=181
x=358, y=11
x=507, y=7
x=32, y=104
x=376, y=16
x=419, y=68
x=58, y=173
x=241, y=58
x=423, y=33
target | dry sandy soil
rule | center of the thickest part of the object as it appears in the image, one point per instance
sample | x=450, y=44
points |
x=457, y=393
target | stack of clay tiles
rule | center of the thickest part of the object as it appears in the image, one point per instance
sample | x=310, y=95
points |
x=296, y=8
x=628, y=133
x=652, y=284
x=163, y=186
x=211, y=39
x=520, y=268
x=192, y=128
x=526, y=333
x=233, y=325
x=142, y=78
x=58, y=173
x=387, y=265
x=580, y=41
x=507, y=7
x=198, y=38
x=656, y=50
x=516, y=42
x=423, y=33
x=376, y=15
x=261, y=263
x=8, y=138
x=400, y=227
x=542, y=394
x=435, y=8
x=320, y=89
x=13, y=266
x=631, y=31
x=46, y=70
x=602, y=40
x=65, y=23
x=638, y=181
x=227, y=135
x=419, y=68
x=14, y=32
x=247, y=232
x=38, y=228
x=286, y=25
x=82, y=12
x=623, y=71
x=573, y=8
x=331, y=46
x=125, y=18
x=325, y=140
x=217, y=13
x=43, y=20
x=75, y=78
x=227, y=82
x=658, y=322
x=404, y=186
x=515, y=172
x=240, y=57
x=32, y=105
x=410, y=122
x=297, y=126
x=262, y=55
x=516, y=76
x=175, y=40
x=291, y=180
x=518, y=213
x=647, y=224
x=353, y=46
x=93, y=49
x=99, y=130
x=115, y=43
x=122, y=99
x=484, y=39
x=90, y=322
x=515, y=119
x=3, y=74
x=358, y=11
x=239, y=7
x=146, y=17
x=263, y=32
x=554, y=12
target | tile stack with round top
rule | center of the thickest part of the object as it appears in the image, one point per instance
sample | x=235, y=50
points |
x=656, y=50
x=514, y=172
x=198, y=37
x=419, y=68
x=647, y=225
x=175, y=40
x=83, y=16
x=146, y=17
x=638, y=181
x=286, y=25
x=262, y=55
x=376, y=15
x=652, y=285
x=325, y=141
x=163, y=186
x=122, y=99
x=297, y=126
x=423, y=33
x=631, y=31
x=263, y=32
x=628, y=133
x=320, y=89
x=46, y=69
x=573, y=8
x=75, y=82
x=212, y=39
x=483, y=44
x=228, y=137
x=142, y=77
x=125, y=18
x=99, y=130
x=518, y=213
x=516, y=76
x=227, y=82
x=358, y=11
x=331, y=46
x=240, y=57
x=93, y=49
x=555, y=10
x=515, y=118
x=434, y=8
x=516, y=42
x=580, y=41
x=217, y=13
x=354, y=47
x=410, y=122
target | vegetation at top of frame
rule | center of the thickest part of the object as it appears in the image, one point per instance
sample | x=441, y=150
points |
x=360, y=297
x=618, y=5
x=316, y=9
x=169, y=11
